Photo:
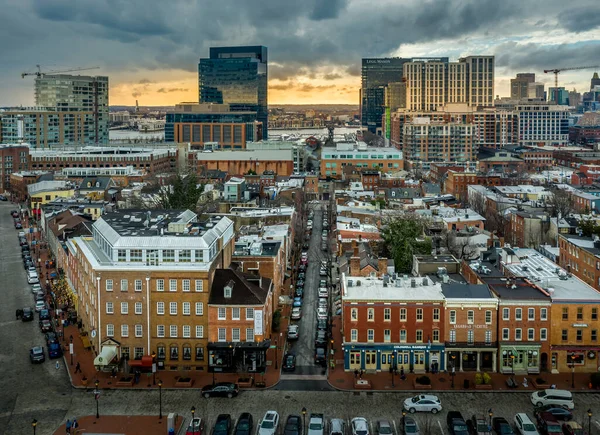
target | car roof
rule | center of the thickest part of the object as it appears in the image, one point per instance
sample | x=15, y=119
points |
x=270, y=415
x=293, y=327
x=407, y=420
x=37, y=349
x=548, y=416
x=524, y=417
x=573, y=424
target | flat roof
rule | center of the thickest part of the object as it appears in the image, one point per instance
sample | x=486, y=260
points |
x=389, y=289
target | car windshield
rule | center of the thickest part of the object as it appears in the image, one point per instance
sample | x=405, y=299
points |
x=505, y=428
x=222, y=425
x=267, y=425
x=529, y=427
x=361, y=432
x=482, y=427
x=315, y=426
x=460, y=428
x=415, y=399
x=409, y=428
x=386, y=430
x=554, y=428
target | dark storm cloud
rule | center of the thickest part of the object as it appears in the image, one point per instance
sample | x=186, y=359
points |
x=331, y=76
x=517, y=56
x=325, y=10
x=169, y=90
x=581, y=19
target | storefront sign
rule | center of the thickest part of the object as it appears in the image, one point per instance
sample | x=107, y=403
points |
x=411, y=347
x=470, y=326
x=258, y=322
x=580, y=325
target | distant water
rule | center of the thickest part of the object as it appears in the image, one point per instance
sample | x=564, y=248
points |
x=160, y=135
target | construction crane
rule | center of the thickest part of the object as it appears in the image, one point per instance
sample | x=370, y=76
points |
x=39, y=72
x=556, y=71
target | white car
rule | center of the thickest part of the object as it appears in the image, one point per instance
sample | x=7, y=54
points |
x=323, y=283
x=39, y=306
x=323, y=271
x=292, y=333
x=322, y=313
x=323, y=263
x=524, y=425
x=36, y=288
x=323, y=293
x=359, y=426
x=21, y=233
x=296, y=313
x=322, y=302
x=33, y=279
x=269, y=424
x=423, y=403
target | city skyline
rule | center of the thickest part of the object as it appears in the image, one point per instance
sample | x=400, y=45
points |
x=315, y=48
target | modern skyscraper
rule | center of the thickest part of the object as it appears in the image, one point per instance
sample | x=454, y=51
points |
x=70, y=93
x=376, y=75
x=433, y=82
x=519, y=86
x=236, y=76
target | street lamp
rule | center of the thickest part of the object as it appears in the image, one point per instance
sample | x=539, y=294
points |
x=193, y=425
x=589, y=412
x=512, y=363
x=97, y=396
x=491, y=414
x=159, y=399
x=572, y=369
x=392, y=368
x=453, y=374
x=403, y=414
x=303, y=420
x=276, y=355
x=34, y=424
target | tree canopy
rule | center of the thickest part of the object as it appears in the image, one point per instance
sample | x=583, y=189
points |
x=183, y=194
x=404, y=237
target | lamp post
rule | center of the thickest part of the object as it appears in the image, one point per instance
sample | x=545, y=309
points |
x=193, y=425
x=159, y=399
x=512, y=363
x=276, y=355
x=491, y=414
x=572, y=356
x=303, y=420
x=453, y=374
x=589, y=413
x=392, y=368
x=97, y=396
x=34, y=424
x=403, y=414
x=153, y=368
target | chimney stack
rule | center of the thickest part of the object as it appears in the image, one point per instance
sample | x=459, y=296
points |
x=354, y=266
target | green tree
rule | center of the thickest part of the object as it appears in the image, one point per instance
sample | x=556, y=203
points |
x=380, y=201
x=404, y=237
x=183, y=194
x=588, y=227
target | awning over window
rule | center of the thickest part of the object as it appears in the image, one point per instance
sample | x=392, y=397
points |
x=106, y=356
x=146, y=361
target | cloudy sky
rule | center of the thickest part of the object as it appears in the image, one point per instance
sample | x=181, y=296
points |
x=150, y=48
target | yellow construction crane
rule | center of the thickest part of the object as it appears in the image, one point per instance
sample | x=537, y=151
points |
x=556, y=71
x=39, y=72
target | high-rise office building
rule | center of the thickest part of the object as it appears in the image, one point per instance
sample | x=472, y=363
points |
x=519, y=86
x=433, y=82
x=559, y=95
x=236, y=76
x=595, y=81
x=70, y=93
x=376, y=75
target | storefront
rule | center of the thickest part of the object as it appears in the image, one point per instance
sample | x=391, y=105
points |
x=581, y=359
x=469, y=358
x=520, y=359
x=246, y=357
x=420, y=358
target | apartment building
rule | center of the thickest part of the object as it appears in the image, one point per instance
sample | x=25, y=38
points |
x=359, y=156
x=143, y=281
x=580, y=256
x=240, y=310
x=13, y=158
x=392, y=321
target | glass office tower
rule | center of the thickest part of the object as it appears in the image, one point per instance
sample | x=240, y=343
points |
x=236, y=76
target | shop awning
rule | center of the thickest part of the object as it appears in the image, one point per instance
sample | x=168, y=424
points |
x=146, y=361
x=107, y=354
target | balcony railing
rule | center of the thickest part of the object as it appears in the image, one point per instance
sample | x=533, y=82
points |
x=490, y=344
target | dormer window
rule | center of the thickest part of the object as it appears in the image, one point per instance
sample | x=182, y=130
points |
x=228, y=289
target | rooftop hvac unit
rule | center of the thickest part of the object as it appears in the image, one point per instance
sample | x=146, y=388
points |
x=424, y=281
x=350, y=283
x=398, y=283
x=358, y=283
x=413, y=283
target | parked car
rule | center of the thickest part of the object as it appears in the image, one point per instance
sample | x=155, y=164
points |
x=32, y=279
x=323, y=283
x=293, y=425
x=300, y=283
x=51, y=337
x=39, y=306
x=244, y=424
x=456, y=423
x=36, y=354
x=548, y=424
x=337, y=426
x=36, y=288
x=220, y=389
x=501, y=426
x=321, y=339
x=323, y=293
x=222, y=425
x=316, y=425
x=478, y=425
x=359, y=426
x=321, y=313
x=323, y=271
x=45, y=325
x=269, y=424
x=45, y=314
x=322, y=325
x=558, y=412
x=289, y=363
x=572, y=428
x=54, y=350
x=18, y=226
x=302, y=267
x=296, y=313
x=524, y=425
x=410, y=426
x=299, y=293
x=27, y=315
x=292, y=333
x=301, y=276
x=297, y=302
x=423, y=403
x=320, y=357
x=196, y=426
x=3, y=198
x=562, y=398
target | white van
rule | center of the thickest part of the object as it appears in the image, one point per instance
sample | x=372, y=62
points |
x=32, y=278
x=553, y=397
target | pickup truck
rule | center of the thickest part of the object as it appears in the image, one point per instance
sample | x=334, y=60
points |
x=456, y=423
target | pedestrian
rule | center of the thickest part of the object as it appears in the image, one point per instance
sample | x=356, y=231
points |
x=113, y=374
x=17, y=314
x=74, y=425
x=355, y=373
x=360, y=374
x=68, y=426
x=71, y=338
x=78, y=368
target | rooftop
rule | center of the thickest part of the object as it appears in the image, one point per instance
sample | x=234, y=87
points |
x=245, y=289
x=245, y=155
x=389, y=288
x=254, y=246
x=466, y=291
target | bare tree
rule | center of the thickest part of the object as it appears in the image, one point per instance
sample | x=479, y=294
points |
x=459, y=246
x=561, y=203
x=477, y=203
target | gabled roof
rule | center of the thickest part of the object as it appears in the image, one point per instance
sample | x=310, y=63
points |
x=247, y=289
x=96, y=183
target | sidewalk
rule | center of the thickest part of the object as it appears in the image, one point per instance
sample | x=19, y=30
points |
x=85, y=357
x=382, y=381
x=114, y=424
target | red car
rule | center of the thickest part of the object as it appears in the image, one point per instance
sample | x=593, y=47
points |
x=196, y=427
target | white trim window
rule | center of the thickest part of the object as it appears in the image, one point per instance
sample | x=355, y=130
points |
x=172, y=285
x=160, y=331
x=173, y=331
x=124, y=308
x=138, y=308
x=249, y=334
x=354, y=335
x=222, y=334
x=185, y=285
x=250, y=316
x=109, y=285
x=124, y=285
x=222, y=313
x=160, y=308
x=199, y=309
x=138, y=285
x=173, y=308
x=235, y=334
x=199, y=331
x=138, y=330
x=235, y=313
x=199, y=285
x=109, y=308
x=124, y=330
x=187, y=331
x=505, y=313
x=160, y=285
x=110, y=330
x=186, y=308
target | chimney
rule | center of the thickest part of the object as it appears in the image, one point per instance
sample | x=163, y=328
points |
x=355, y=248
x=382, y=266
x=354, y=266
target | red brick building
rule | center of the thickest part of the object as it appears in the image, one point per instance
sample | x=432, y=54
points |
x=13, y=158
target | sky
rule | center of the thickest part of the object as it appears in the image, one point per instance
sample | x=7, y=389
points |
x=150, y=48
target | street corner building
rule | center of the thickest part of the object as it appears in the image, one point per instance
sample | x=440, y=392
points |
x=142, y=284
